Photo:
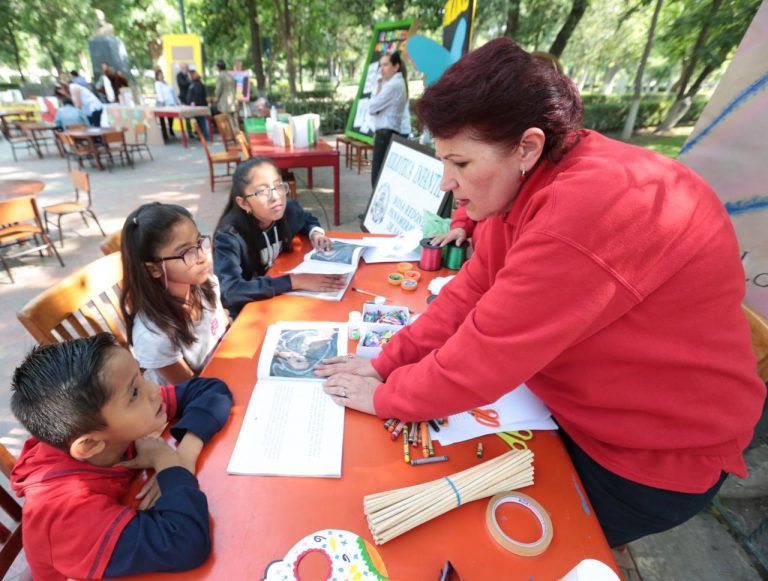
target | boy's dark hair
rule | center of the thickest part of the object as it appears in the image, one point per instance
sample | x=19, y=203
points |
x=145, y=230
x=67, y=101
x=221, y=65
x=57, y=392
x=74, y=73
x=244, y=223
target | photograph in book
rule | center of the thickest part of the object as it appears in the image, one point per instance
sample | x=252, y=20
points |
x=298, y=351
x=343, y=252
x=292, y=350
x=342, y=259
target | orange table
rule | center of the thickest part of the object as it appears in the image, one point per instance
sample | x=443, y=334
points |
x=256, y=519
x=320, y=155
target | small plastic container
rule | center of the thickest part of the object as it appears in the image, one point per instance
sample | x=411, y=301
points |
x=353, y=324
x=395, y=279
x=386, y=314
x=373, y=331
x=404, y=267
x=409, y=285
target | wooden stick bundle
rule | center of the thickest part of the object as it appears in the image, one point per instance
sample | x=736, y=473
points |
x=395, y=512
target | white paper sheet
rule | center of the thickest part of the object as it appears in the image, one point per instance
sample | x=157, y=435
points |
x=519, y=409
x=404, y=247
x=290, y=429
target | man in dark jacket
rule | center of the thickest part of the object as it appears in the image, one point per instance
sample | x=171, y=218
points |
x=196, y=97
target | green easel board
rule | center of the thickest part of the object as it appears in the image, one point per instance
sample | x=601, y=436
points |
x=387, y=37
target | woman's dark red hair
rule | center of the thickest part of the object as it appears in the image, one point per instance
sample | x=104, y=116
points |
x=498, y=91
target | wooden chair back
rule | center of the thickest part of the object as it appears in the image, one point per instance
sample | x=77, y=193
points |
x=10, y=527
x=83, y=304
x=224, y=127
x=758, y=327
x=112, y=243
x=19, y=209
x=82, y=183
x=205, y=146
x=244, y=145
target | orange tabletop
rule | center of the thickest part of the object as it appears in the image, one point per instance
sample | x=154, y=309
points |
x=257, y=519
x=16, y=188
x=319, y=155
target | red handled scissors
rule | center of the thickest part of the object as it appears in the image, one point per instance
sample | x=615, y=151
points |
x=486, y=417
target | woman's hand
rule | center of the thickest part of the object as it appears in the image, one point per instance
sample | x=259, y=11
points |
x=317, y=282
x=350, y=364
x=320, y=241
x=352, y=391
x=459, y=235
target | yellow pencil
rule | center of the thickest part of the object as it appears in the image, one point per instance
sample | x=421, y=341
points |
x=406, y=449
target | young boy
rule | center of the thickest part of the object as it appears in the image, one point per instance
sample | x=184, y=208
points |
x=95, y=420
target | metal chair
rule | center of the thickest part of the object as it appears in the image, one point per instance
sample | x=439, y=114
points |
x=18, y=138
x=10, y=535
x=82, y=183
x=21, y=224
x=115, y=143
x=81, y=305
x=139, y=142
x=74, y=150
x=231, y=159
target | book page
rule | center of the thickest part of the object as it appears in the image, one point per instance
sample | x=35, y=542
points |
x=290, y=429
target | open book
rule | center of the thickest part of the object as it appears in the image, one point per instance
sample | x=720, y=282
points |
x=291, y=427
x=343, y=259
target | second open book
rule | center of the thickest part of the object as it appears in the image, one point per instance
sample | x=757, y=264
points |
x=291, y=427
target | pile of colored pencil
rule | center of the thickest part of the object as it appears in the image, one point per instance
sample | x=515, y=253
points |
x=395, y=512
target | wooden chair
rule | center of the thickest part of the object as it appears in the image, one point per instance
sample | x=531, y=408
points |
x=758, y=326
x=82, y=183
x=112, y=243
x=245, y=147
x=139, y=142
x=231, y=159
x=115, y=143
x=83, y=304
x=224, y=127
x=73, y=150
x=21, y=222
x=10, y=536
x=18, y=138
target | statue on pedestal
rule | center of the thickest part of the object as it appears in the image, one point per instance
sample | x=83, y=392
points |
x=109, y=59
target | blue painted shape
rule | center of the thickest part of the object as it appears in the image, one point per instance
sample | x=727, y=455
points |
x=433, y=59
x=737, y=101
x=584, y=503
x=747, y=206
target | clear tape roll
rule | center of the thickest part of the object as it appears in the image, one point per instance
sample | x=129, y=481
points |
x=538, y=546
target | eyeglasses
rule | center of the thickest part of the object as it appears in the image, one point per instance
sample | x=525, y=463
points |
x=191, y=256
x=266, y=193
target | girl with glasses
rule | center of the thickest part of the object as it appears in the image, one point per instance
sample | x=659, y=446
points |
x=257, y=225
x=170, y=296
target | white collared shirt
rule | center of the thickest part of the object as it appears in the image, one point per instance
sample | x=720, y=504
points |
x=386, y=106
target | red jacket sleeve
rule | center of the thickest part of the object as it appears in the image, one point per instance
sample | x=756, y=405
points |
x=512, y=332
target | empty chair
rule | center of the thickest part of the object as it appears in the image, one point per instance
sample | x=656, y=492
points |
x=83, y=304
x=230, y=159
x=245, y=148
x=18, y=138
x=10, y=534
x=21, y=222
x=114, y=142
x=74, y=150
x=224, y=127
x=139, y=141
x=82, y=183
x=112, y=243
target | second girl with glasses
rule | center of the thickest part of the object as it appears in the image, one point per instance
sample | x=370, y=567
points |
x=259, y=223
x=170, y=297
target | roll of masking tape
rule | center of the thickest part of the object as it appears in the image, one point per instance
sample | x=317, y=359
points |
x=524, y=549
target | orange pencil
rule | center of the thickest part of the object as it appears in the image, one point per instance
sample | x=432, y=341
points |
x=424, y=427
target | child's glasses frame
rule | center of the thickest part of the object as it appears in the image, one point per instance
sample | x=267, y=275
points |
x=266, y=193
x=191, y=256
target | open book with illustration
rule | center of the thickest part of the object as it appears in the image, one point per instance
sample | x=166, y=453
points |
x=291, y=427
x=343, y=258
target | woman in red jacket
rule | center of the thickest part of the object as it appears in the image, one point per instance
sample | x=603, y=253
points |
x=600, y=269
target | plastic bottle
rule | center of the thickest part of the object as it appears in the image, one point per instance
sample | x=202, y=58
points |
x=353, y=325
x=273, y=113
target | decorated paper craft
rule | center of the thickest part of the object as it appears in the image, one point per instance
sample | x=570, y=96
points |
x=349, y=557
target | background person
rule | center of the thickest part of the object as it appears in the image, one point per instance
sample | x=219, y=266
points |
x=387, y=106
x=226, y=93
x=166, y=97
x=597, y=266
x=87, y=102
x=197, y=97
x=68, y=115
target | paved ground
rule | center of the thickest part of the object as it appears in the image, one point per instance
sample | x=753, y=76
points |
x=701, y=550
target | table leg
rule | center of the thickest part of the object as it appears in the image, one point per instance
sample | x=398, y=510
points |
x=310, y=181
x=37, y=144
x=336, y=201
x=183, y=133
x=95, y=150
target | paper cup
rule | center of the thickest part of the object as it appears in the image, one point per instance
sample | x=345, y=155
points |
x=591, y=570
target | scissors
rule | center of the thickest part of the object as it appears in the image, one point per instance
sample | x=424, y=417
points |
x=516, y=440
x=486, y=417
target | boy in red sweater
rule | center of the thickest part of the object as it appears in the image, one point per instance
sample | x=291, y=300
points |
x=95, y=420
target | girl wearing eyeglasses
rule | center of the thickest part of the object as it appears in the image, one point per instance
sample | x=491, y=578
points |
x=170, y=296
x=257, y=225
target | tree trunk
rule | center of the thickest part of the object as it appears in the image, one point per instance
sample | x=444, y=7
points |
x=578, y=8
x=513, y=18
x=629, y=126
x=16, y=55
x=284, y=16
x=683, y=98
x=258, y=65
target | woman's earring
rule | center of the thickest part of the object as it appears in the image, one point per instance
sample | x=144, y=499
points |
x=523, y=177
